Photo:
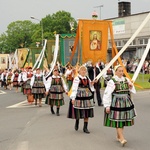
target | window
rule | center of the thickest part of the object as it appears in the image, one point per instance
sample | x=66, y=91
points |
x=143, y=41
x=125, y=41
x=133, y=42
x=118, y=43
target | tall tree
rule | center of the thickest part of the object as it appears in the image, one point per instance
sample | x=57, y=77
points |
x=18, y=34
x=25, y=33
x=59, y=23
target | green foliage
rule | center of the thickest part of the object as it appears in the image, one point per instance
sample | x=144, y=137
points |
x=25, y=33
x=58, y=23
x=18, y=35
x=142, y=80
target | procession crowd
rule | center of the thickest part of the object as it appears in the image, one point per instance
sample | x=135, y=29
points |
x=133, y=64
x=80, y=85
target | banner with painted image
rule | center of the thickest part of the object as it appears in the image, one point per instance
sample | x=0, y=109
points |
x=22, y=56
x=94, y=40
x=3, y=61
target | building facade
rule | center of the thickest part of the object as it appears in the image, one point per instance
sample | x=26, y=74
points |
x=123, y=28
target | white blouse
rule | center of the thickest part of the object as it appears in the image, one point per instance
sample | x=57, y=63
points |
x=33, y=79
x=49, y=81
x=68, y=72
x=75, y=85
x=107, y=97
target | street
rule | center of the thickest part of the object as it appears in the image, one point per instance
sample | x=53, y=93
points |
x=24, y=126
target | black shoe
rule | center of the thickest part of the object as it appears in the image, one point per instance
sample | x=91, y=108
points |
x=52, y=110
x=85, y=128
x=35, y=102
x=57, y=113
x=76, y=124
x=100, y=104
x=86, y=131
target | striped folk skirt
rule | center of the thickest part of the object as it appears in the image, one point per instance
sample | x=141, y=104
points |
x=122, y=112
x=16, y=84
x=75, y=113
x=55, y=99
x=38, y=92
x=27, y=87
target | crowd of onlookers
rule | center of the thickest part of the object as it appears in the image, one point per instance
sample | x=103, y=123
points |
x=133, y=64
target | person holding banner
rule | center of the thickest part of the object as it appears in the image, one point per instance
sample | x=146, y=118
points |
x=119, y=108
x=82, y=104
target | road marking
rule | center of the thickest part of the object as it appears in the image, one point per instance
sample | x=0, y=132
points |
x=2, y=92
x=25, y=104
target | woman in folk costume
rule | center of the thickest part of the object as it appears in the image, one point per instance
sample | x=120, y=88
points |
x=26, y=86
x=119, y=108
x=82, y=103
x=38, y=87
x=14, y=79
x=21, y=78
x=69, y=75
x=3, y=79
x=8, y=79
x=55, y=87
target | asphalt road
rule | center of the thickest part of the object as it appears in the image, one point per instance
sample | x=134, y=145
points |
x=24, y=126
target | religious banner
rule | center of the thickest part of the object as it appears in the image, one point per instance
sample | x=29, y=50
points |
x=22, y=56
x=66, y=48
x=94, y=40
x=3, y=61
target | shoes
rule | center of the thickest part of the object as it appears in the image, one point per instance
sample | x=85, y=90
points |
x=123, y=142
x=35, y=102
x=100, y=105
x=85, y=129
x=52, y=110
x=76, y=124
x=57, y=113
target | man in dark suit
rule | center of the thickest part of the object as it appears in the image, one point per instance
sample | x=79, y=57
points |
x=93, y=71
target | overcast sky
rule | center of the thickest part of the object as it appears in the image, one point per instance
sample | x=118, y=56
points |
x=13, y=10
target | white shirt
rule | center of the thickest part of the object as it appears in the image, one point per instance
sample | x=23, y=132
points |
x=22, y=76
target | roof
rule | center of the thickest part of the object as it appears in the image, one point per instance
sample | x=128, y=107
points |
x=128, y=15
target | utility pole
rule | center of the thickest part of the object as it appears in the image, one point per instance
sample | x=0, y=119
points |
x=41, y=27
x=100, y=6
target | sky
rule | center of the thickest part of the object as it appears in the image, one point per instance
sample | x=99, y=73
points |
x=14, y=10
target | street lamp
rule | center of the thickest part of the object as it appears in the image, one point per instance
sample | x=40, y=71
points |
x=100, y=6
x=41, y=26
